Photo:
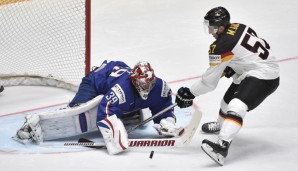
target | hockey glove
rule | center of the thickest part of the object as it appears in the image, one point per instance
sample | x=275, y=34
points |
x=228, y=72
x=167, y=127
x=184, y=97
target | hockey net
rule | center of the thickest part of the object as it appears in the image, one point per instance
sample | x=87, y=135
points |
x=44, y=42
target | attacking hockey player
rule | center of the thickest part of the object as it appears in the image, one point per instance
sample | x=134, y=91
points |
x=239, y=53
x=106, y=96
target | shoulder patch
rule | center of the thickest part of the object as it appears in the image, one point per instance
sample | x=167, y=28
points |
x=217, y=59
x=214, y=60
x=119, y=93
x=165, y=89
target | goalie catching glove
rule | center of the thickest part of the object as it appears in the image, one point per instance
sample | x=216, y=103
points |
x=167, y=127
x=184, y=97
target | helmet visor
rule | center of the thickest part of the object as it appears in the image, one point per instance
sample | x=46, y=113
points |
x=209, y=29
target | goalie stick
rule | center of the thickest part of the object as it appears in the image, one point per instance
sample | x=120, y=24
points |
x=152, y=117
x=180, y=141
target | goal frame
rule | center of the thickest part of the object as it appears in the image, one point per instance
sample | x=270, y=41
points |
x=11, y=79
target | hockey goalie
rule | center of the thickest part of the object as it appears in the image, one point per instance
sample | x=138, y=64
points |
x=108, y=96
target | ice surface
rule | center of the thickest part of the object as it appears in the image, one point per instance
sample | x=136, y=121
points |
x=169, y=34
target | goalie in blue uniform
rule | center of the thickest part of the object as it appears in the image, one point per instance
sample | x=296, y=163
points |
x=124, y=92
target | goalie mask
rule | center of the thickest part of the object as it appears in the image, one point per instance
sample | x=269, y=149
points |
x=143, y=78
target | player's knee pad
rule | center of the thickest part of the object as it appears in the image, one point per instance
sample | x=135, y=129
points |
x=237, y=107
x=232, y=124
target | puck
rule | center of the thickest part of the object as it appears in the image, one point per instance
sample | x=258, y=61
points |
x=151, y=154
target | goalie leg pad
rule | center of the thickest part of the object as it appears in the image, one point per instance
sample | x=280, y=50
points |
x=114, y=134
x=59, y=123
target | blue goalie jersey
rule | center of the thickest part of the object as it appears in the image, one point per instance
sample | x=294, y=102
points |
x=120, y=97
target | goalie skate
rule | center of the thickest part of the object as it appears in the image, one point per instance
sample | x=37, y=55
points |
x=217, y=152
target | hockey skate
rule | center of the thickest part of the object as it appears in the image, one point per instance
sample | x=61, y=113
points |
x=217, y=151
x=211, y=127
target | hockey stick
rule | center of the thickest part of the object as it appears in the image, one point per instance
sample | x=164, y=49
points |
x=84, y=140
x=151, y=118
x=83, y=143
x=180, y=141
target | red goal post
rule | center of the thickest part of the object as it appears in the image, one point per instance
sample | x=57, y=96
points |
x=44, y=42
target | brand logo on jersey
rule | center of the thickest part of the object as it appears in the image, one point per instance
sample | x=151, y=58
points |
x=149, y=143
x=119, y=93
x=214, y=60
x=165, y=89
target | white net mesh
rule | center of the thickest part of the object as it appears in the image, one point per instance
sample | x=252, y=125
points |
x=45, y=38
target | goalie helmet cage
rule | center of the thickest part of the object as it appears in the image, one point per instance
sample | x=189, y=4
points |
x=44, y=42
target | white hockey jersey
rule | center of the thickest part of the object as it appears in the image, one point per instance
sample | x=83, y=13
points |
x=240, y=48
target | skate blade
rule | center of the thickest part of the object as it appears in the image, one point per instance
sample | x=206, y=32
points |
x=206, y=133
x=219, y=159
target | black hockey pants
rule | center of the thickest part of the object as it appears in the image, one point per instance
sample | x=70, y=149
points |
x=252, y=91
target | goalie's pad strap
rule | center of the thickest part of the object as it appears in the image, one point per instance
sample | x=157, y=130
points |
x=83, y=122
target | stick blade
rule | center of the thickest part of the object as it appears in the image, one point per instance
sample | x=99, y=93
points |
x=192, y=127
x=84, y=140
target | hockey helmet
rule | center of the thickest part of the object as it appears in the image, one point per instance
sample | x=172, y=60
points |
x=216, y=17
x=143, y=78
